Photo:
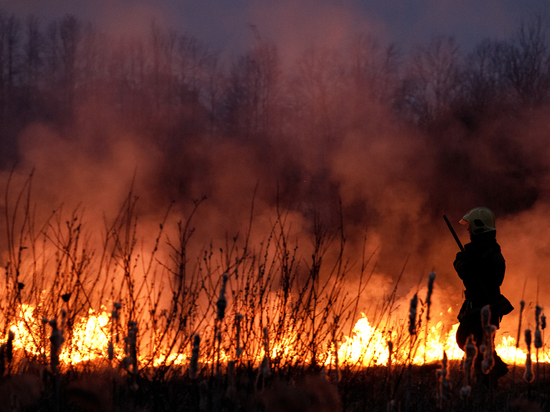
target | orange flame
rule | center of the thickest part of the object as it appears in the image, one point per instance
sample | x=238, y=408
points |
x=366, y=346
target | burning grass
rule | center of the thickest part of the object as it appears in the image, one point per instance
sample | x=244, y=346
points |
x=158, y=324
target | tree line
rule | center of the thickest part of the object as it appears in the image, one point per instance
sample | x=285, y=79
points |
x=174, y=88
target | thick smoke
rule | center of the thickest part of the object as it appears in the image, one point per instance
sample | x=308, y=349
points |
x=351, y=133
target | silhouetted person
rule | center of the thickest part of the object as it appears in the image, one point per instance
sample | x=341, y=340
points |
x=481, y=267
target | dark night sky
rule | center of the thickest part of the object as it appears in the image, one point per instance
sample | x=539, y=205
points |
x=225, y=25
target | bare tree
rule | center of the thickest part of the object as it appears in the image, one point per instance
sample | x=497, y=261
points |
x=251, y=98
x=32, y=53
x=527, y=63
x=432, y=80
x=70, y=35
x=163, y=45
x=13, y=33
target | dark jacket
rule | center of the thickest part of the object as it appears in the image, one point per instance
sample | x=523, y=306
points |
x=481, y=267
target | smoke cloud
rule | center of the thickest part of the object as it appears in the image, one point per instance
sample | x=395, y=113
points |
x=327, y=137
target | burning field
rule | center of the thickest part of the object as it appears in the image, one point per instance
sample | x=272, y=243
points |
x=184, y=232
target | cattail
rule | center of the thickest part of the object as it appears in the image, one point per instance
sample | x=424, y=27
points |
x=412, y=315
x=390, y=353
x=238, y=319
x=111, y=351
x=487, y=349
x=488, y=355
x=194, y=366
x=444, y=383
x=471, y=353
x=131, y=348
x=543, y=322
x=266, y=340
x=431, y=280
x=222, y=301
x=114, y=321
x=9, y=346
x=56, y=339
x=538, y=335
x=528, y=376
x=44, y=323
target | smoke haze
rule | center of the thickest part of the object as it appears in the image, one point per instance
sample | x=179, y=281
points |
x=328, y=129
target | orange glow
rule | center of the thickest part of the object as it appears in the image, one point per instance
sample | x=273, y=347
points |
x=366, y=346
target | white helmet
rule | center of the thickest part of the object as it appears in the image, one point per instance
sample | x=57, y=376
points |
x=480, y=219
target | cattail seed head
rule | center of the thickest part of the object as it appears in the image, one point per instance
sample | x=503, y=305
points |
x=9, y=346
x=543, y=322
x=56, y=339
x=131, y=346
x=111, y=351
x=222, y=301
x=412, y=315
x=488, y=355
x=266, y=340
x=238, y=319
x=194, y=366
x=443, y=381
x=471, y=353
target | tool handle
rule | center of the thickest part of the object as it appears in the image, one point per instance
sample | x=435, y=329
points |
x=453, y=233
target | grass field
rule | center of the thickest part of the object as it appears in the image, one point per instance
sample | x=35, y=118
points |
x=159, y=324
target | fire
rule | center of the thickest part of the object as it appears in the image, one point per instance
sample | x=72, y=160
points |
x=369, y=346
x=366, y=346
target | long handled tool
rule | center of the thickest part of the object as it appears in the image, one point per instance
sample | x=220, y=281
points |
x=453, y=233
